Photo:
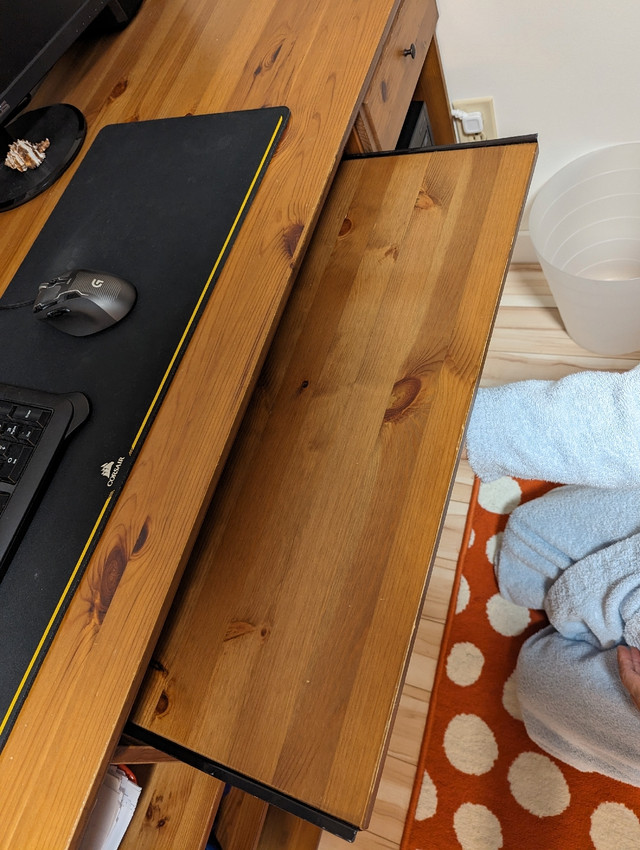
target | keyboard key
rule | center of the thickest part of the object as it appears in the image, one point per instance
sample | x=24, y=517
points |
x=33, y=426
x=15, y=461
x=5, y=472
x=8, y=430
x=30, y=414
x=29, y=434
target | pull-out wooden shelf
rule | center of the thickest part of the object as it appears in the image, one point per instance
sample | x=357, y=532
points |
x=284, y=654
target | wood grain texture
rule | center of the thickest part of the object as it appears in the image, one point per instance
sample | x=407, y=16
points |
x=306, y=583
x=138, y=754
x=240, y=821
x=396, y=75
x=179, y=57
x=432, y=89
x=286, y=832
x=176, y=809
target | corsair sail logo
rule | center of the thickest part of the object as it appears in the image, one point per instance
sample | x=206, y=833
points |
x=110, y=470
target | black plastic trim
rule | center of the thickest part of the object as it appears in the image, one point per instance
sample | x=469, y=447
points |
x=338, y=827
x=488, y=143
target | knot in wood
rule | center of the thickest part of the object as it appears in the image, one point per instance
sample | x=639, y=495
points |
x=162, y=706
x=238, y=628
x=404, y=393
x=425, y=201
x=142, y=537
x=269, y=62
x=108, y=580
x=291, y=237
x=345, y=227
x=119, y=89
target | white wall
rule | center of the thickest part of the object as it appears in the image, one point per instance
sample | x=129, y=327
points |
x=567, y=70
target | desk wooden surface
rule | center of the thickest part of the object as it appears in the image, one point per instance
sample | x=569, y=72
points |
x=305, y=586
x=178, y=57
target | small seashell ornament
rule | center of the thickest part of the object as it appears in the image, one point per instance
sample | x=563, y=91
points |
x=24, y=155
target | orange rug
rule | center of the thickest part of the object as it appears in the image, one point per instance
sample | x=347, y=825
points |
x=481, y=783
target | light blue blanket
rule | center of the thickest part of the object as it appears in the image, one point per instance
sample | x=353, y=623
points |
x=582, y=715
x=583, y=429
x=546, y=535
x=574, y=552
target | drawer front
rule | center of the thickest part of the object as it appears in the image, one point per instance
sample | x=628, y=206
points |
x=395, y=78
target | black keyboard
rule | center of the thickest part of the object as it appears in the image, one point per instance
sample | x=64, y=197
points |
x=33, y=427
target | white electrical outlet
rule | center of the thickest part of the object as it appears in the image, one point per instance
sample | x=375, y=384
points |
x=484, y=105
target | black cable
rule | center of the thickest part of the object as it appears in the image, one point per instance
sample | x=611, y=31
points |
x=28, y=303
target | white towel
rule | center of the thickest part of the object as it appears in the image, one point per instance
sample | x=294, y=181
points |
x=582, y=429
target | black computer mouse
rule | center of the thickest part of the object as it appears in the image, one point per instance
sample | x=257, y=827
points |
x=84, y=302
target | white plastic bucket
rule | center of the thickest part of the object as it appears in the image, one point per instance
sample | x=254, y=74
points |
x=585, y=228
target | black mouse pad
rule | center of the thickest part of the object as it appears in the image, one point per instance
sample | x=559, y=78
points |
x=158, y=203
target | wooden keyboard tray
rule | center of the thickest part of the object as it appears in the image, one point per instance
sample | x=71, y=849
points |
x=282, y=661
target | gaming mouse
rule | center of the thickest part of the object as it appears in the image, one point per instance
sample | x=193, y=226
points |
x=84, y=302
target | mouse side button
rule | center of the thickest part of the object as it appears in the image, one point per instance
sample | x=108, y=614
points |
x=47, y=294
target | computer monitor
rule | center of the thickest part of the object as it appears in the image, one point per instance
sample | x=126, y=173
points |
x=33, y=36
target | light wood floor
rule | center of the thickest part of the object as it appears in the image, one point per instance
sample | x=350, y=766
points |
x=529, y=341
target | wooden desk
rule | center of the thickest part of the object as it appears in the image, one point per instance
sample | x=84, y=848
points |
x=305, y=587
x=178, y=57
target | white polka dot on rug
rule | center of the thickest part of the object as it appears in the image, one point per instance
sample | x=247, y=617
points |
x=538, y=785
x=500, y=496
x=493, y=546
x=505, y=617
x=470, y=745
x=464, y=663
x=464, y=595
x=614, y=827
x=427, y=800
x=472, y=538
x=510, y=701
x=477, y=828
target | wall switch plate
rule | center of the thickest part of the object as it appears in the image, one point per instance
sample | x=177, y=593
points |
x=484, y=105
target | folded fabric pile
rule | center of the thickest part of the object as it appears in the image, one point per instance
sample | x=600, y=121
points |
x=574, y=552
x=582, y=429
